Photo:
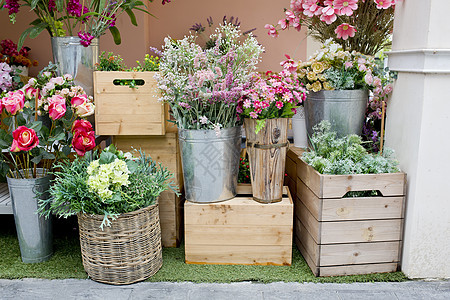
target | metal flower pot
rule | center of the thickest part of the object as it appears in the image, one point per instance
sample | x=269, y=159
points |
x=210, y=163
x=34, y=232
x=345, y=109
x=75, y=59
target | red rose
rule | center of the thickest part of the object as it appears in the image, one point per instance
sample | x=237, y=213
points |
x=56, y=110
x=25, y=139
x=83, y=141
x=81, y=126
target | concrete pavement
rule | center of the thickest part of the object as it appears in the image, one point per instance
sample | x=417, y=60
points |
x=87, y=289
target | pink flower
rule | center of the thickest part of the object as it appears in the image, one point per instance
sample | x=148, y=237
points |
x=368, y=79
x=25, y=139
x=83, y=141
x=78, y=100
x=30, y=92
x=81, y=125
x=388, y=89
x=311, y=8
x=13, y=101
x=253, y=115
x=289, y=64
x=247, y=103
x=273, y=32
x=56, y=110
x=85, y=109
x=328, y=15
x=345, y=31
x=377, y=82
x=383, y=4
x=362, y=67
x=345, y=7
x=57, y=99
x=279, y=104
x=283, y=23
x=348, y=64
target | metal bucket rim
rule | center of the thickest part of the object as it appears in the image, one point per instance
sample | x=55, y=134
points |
x=202, y=135
x=71, y=40
x=27, y=181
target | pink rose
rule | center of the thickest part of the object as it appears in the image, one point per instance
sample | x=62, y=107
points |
x=25, y=139
x=85, y=109
x=57, y=99
x=81, y=125
x=56, y=110
x=30, y=91
x=78, y=100
x=13, y=101
x=83, y=142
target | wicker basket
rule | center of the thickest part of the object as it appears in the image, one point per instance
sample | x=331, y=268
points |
x=126, y=252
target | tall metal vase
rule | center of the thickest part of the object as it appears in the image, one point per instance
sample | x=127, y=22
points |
x=345, y=109
x=76, y=60
x=34, y=232
x=210, y=163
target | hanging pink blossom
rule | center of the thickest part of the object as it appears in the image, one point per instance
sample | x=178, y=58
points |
x=345, y=7
x=272, y=30
x=344, y=31
x=311, y=8
x=328, y=15
x=384, y=4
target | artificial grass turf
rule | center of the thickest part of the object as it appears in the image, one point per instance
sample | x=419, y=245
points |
x=66, y=263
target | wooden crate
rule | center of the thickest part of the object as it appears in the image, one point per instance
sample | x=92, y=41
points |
x=121, y=110
x=163, y=149
x=292, y=156
x=239, y=231
x=343, y=236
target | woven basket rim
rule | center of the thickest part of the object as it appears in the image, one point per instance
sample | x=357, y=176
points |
x=128, y=214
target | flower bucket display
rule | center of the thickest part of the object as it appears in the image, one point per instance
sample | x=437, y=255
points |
x=344, y=109
x=33, y=231
x=299, y=128
x=210, y=163
x=76, y=59
x=126, y=252
x=267, y=155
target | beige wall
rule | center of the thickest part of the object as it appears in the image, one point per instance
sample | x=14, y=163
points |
x=175, y=19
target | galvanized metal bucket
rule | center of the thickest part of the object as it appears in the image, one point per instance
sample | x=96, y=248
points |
x=299, y=128
x=210, y=163
x=75, y=59
x=345, y=109
x=34, y=232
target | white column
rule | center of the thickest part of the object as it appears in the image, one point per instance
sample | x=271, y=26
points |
x=418, y=129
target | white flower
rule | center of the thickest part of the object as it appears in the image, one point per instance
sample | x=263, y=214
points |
x=204, y=120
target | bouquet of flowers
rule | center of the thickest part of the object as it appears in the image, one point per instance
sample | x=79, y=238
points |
x=272, y=96
x=9, y=79
x=42, y=123
x=14, y=57
x=203, y=86
x=108, y=184
x=89, y=19
x=361, y=25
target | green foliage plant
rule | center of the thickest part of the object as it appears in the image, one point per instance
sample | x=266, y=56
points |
x=108, y=184
x=336, y=156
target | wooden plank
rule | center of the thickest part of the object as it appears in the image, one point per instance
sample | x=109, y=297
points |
x=361, y=208
x=295, y=153
x=5, y=200
x=308, y=259
x=291, y=184
x=103, y=82
x=239, y=211
x=141, y=106
x=225, y=235
x=358, y=269
x=309, y=199
x=360, y=231
x=311, y=178
x=310, y=247
x=359, y=253
x=308, y=220
x=291, y=167
x=336, y=186
x=242, y=255
x=126, y=128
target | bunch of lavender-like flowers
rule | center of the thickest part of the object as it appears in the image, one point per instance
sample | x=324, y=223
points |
x=203, y=86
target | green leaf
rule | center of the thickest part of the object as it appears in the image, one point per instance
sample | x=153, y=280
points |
x=36, y=30
x=23, y=37
x=116, y=35
x=4, y=168
x=37, y=159
x=48, y=155
x=106, y=158
x=36, y=125
x=130, y=13
x=59, y=4
x=33, y=4
x=66, y=150
x=59, y=136
x=132, y=166
x=259, y=125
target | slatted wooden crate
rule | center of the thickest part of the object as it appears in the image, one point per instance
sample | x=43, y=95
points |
x=239, y=231
x=292, y=156
x=121, y=110
x=343, y=236
x=163, y=149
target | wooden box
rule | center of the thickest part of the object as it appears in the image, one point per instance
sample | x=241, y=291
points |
x=355, y=235
x=121, y=110
x=239, y=231
x=290, y=180
x=163, y=149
